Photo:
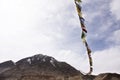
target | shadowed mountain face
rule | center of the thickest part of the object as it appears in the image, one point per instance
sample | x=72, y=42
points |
x=6, y=66
x=39, y=67
x=108, y=76
x=42, y=67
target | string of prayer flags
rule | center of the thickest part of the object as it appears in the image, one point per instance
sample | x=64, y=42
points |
x=84, y=32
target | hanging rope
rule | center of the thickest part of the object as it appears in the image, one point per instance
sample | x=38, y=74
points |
x=83, y=35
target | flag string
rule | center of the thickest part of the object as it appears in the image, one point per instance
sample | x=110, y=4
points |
x=84, y=32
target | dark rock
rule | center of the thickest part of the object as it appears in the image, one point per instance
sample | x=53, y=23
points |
x=108, y=76
x=6, y=66
x=42, y=67
x=88, y=77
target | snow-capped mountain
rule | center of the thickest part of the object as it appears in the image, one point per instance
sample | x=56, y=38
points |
x=37, y=60
x=40, y=66
x=46, y=63
x=43, y=67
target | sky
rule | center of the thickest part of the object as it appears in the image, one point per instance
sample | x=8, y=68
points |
x=51, y=27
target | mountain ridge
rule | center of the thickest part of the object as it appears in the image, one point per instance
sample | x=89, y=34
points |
x=43, y=67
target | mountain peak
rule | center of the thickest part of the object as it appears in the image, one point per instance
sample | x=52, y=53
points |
x=43, y=67
x=38, y=59
x=7, y=63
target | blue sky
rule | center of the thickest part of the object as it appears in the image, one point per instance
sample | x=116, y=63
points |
x=103, y=23
x=51, y=27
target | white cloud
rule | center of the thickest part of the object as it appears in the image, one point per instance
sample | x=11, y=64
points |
x=75, y=59
x=115, y=8
x=114, y=37
x=28, y=27
x=107, y=60
x=103, y=61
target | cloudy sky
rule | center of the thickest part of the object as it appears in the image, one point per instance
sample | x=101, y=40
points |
x=51, y=27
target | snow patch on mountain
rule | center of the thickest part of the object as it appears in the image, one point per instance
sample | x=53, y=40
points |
x=52, y=61
x=29, y=60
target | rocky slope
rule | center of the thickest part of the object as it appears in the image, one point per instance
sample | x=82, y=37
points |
x=6, y=66
x=42, y=67
x=39, y=67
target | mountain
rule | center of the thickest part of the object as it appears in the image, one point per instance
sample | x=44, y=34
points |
x=6, y=66
x=43, y=67
x=102, y=76
x=39, y=67
x=108, y=76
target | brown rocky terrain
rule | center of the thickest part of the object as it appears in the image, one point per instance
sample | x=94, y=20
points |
x=42, y=67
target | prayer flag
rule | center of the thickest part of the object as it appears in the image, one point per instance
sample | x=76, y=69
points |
x=83, y=35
